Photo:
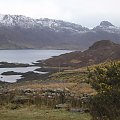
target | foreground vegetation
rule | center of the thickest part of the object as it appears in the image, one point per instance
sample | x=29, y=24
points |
x=88, y=93
x=105, y=105
x=33, y=113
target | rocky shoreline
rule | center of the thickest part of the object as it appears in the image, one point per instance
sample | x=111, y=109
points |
x=39, y=74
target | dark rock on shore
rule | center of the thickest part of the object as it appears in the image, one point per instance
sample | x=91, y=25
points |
x=32, y=76
x=13, y=65
x=11, y=73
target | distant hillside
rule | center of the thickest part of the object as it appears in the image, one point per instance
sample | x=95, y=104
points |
x=99, y=52
x=19, y=32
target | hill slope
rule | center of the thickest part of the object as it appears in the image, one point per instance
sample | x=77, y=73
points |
x=99, y=52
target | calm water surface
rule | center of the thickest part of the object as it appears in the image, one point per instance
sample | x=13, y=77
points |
x=28, y=56
x=24, y=56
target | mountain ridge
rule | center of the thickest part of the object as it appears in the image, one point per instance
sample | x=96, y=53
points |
x=20, y=32
x=27, y=22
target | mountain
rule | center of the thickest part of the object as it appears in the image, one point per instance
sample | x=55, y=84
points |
x=19, y=32
x=107, y=27
x=100, y=51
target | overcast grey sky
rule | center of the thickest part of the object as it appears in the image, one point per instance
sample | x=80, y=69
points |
x=88, y=13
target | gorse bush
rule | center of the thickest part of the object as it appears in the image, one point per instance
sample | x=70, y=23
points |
x=105, y=105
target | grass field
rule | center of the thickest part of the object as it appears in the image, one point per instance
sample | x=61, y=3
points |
x=32, y=113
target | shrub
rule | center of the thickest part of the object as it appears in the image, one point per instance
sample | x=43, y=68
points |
x=105, y=105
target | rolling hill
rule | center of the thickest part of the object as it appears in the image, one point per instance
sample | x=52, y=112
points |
x=99, y=52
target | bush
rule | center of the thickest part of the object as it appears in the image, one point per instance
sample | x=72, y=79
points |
x=105, y=105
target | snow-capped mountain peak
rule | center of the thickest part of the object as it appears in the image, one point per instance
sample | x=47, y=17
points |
x=106, y=24
x=27, y=22
x=16, y=20
x=18, y=31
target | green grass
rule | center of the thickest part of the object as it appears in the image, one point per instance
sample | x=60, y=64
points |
x=72, y=76
x=41, y=114
x=77, y=75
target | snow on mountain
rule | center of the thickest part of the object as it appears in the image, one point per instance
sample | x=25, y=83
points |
x=59, y=25
x=27, y=22
x=17, y=20
x=54, y=25
x=106, y=24
x=18, y=31
x=107, y=27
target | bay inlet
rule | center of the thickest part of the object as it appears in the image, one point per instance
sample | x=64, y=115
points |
x=25, y=57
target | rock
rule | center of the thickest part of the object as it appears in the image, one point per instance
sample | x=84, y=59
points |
x=81, y=110
x=60, y=106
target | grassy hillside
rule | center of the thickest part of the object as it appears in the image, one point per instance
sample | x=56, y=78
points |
x=32, y=113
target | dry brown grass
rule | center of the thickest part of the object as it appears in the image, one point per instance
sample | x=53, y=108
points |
x=75, y=61
x=43, y=85
x=83, y=88
x=76, y=88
